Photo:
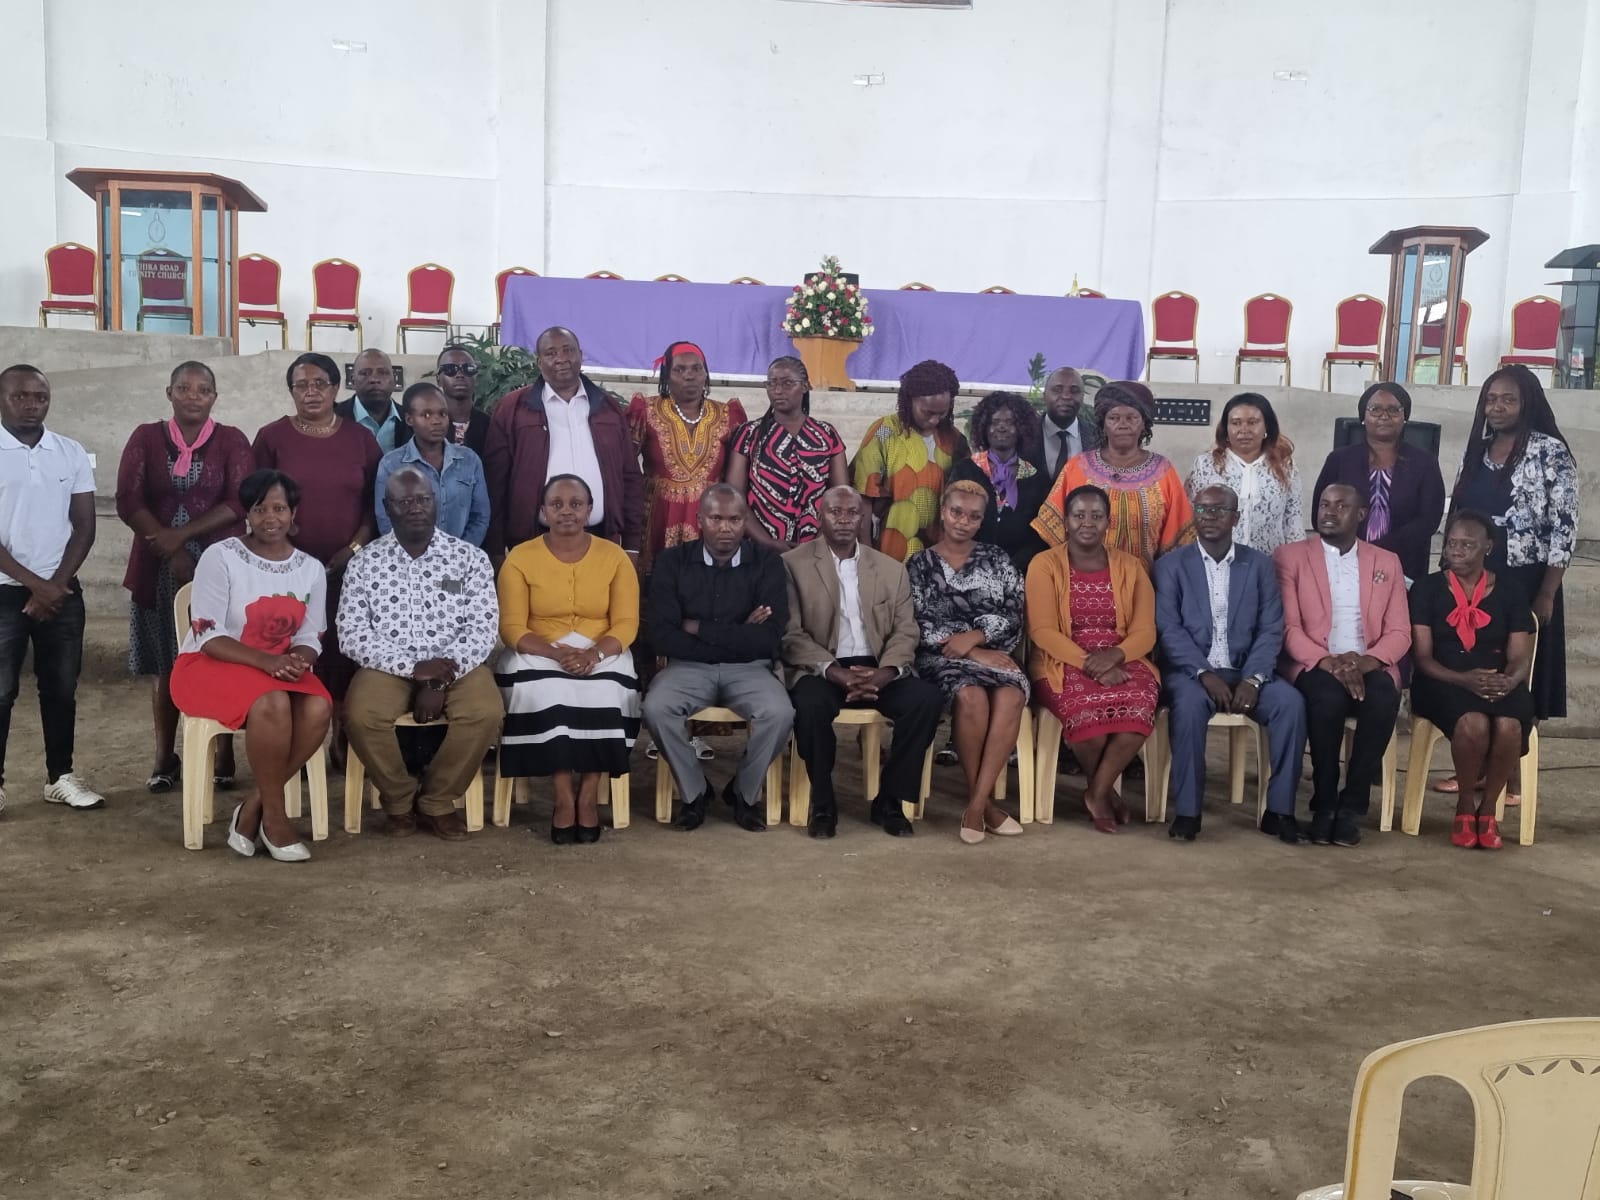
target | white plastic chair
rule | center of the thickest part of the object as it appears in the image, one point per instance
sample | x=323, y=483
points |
x=1239, y=729
x=198, y=736
x=1535, y=1091
x=872, y=724
x=614, y=789
x=667, y=787
x=1047, y=757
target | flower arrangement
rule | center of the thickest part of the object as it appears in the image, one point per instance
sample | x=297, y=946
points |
x=827, y=305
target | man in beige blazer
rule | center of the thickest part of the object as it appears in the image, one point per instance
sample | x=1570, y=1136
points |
x=849, y=643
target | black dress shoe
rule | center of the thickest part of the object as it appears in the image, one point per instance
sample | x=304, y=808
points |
x=891, y=818
x=693, y=813
x=1345, y=831
x=1184, y=828
x=563, y=835
x=824, y=823
x=1322, y=828
x=752, y=818
x=1284, y=826
x=588, y=834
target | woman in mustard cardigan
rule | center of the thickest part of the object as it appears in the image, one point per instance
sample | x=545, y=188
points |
x=1092, y=622
x=569, y=610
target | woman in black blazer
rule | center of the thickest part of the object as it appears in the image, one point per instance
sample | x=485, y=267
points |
x=1005, y=450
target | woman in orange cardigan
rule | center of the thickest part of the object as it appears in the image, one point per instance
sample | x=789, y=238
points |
x=1092, y=622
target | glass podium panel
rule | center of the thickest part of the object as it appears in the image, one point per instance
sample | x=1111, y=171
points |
x=1405, y=313
x=1432, y=312
x=214, y=258
x=155, y=260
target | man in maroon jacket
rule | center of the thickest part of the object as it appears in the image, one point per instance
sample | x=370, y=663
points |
x=563, y=423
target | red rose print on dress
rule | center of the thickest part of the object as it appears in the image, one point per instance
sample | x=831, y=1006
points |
x=271, y=621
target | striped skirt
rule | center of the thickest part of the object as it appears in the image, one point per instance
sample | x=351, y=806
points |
x=561, y=722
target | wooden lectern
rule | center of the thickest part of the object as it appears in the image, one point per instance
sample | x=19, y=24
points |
x=169, y=248
x=1425, y=272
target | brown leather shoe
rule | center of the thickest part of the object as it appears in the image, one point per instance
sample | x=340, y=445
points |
x=400, y=824
x=448, y=826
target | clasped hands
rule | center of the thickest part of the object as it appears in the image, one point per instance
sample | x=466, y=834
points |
x=1351, y=669
x=168, y=545
x=288, y=667
x=1241, y=699
x=860, y=683
x=428, y=703
x=1490, y=685
x=44, y=599
x=1105, y=666
x=969, y=644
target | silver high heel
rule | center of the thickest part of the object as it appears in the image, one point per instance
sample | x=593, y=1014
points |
x=237, y=842
x=294, y=852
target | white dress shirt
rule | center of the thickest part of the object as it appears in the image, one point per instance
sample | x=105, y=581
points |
x=1344, y=585
x=1054, y=456
x=852, y=630
x=37, y=484
x=1218, y=577
x=572, y=445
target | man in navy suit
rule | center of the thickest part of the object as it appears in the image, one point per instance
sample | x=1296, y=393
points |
x=1220, y=617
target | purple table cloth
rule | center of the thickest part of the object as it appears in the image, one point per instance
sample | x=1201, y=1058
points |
x=627, y=324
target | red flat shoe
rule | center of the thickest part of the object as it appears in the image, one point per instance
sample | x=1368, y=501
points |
x=1103, y=824
x=1489, y=832
x=1466, y=831
x=1119, y=810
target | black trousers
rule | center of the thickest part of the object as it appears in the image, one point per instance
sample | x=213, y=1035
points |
x=914, y=705
x=57, y=659
x=1327, y=706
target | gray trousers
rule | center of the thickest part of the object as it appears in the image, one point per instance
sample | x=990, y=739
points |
x=750, y=689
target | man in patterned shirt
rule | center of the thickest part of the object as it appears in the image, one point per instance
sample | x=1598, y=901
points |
x=418, y=616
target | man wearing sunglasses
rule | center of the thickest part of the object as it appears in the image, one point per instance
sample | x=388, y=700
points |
x=457, y=373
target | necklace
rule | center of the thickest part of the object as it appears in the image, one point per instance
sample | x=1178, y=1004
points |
x=310, y=430
x=684, y=419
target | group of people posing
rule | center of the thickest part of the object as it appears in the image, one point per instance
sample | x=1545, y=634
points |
x=483, y=572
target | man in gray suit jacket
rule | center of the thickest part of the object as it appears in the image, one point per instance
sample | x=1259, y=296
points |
x=850, y=639
x=1220, y=618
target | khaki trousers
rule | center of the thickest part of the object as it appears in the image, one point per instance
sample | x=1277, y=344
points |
x=473, y=711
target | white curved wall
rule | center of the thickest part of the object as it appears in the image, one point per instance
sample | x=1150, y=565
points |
x=1139, y=144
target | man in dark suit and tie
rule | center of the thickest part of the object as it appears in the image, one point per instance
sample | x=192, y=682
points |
x=373, y=404
x=1064, y=431
x=1220, y=617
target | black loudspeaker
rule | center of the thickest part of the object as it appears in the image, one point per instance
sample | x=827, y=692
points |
x=399, y=378
x=1424, y=435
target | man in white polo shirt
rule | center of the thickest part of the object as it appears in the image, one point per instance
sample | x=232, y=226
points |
x=46, y=529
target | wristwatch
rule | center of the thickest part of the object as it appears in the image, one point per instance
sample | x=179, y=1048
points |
x=436, y=685
x=1259, y=680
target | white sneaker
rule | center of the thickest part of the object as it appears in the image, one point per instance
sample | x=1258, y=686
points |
x=702, y=750
x=73, y=792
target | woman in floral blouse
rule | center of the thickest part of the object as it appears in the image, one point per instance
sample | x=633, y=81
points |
x=1518, y=470
x=1257, y=461
x=256, y=619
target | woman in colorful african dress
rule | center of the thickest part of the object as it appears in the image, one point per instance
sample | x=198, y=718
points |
x=1150, y=511
x=968, y=599
x=682, y=435
x=904, y=461
x=784, y=461
x=1092, y=622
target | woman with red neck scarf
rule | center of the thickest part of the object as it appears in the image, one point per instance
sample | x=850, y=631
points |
x=1472, y=641
x=178, y=490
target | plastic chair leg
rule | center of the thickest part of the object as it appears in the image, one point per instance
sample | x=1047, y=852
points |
x=503, y=787
x=621, y=801
x=914, y=812
x=1423, y=736
x=355, y=781
x=663, y=791
x=1263, y=771
x=1391, y=764
x=474, y=803
x=1530, y=788
x=196, y=781
x=871, y=760
x=774, y=789
x=293, y=798
x=1046, y=758
x=317, y=786
x=799, y=788
x=1026, y=778
x=1238, y=747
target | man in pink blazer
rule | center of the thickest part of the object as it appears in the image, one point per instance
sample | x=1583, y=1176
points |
x=1346, y=625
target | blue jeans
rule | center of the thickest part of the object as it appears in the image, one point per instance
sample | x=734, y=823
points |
x=57, y=658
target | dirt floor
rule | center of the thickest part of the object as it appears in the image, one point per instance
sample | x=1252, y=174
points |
x=737, y=1015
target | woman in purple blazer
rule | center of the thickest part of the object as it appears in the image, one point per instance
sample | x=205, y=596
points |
x=1402, y=483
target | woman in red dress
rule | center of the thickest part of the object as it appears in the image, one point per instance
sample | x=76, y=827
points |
x=256, y=618
x=1092, y=620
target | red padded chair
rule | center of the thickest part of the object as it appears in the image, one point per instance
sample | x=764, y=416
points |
x=1432, y=335
x=1174, y=317
x=1266, y=334
x=916, y=287
x=71, y=284
x=163, y=295
x=335, y=297
x=260, y=278
x=1086, y=294
x=751, y=279
x=997, y=290
x=1535, y=325
x=671, y=279
x=602, y=275
x=500, y=297
x=1357, y=336
x=428, y=291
